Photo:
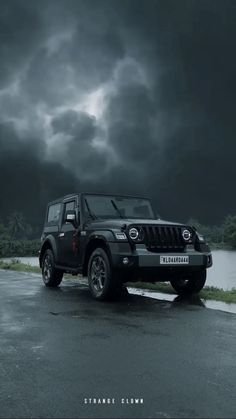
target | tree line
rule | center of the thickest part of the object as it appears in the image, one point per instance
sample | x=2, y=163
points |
x=220, y=236
x=19, y=238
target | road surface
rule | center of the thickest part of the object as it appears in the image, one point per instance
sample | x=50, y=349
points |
x=64, y=355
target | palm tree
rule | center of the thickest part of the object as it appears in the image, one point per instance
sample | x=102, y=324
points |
x=17, y=225
x=4, y=234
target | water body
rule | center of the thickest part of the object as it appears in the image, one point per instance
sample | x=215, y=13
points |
x=221, y=275
x=223, y=272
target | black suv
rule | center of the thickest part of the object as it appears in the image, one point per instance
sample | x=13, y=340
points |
x=114, y=239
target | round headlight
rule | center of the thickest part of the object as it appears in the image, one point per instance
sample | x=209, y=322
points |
x=186, y=234
x=133, y=233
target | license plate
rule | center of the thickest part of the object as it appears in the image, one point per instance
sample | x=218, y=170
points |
x=174, y=260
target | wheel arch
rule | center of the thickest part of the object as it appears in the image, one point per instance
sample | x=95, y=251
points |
x=93, y=244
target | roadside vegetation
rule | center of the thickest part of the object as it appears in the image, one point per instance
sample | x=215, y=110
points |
x=218, y=236
x=19, y=248
x=16, y=265
x=17, y=237
x=208, y=293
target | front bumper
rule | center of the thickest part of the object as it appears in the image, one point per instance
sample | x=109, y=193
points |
x=142, y=258
x=148, y=259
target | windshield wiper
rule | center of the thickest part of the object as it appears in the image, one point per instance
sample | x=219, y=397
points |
x=117, y=209
x=92, y=215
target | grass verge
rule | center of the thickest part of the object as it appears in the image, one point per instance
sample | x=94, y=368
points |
x=16, y=265
x=208, y=293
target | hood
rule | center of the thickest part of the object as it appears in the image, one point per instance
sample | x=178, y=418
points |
x=120, y=222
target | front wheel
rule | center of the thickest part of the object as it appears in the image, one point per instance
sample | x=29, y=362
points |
x=102, y=279
x=191, y=284
x=52, y=277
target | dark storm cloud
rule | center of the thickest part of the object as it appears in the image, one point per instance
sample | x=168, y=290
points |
x=81, y=51
x=20, y=31
x=26, y=181
x=131, y=113
x=187, y=51
x=78, y=124
x=79, y=131
x=164, y=124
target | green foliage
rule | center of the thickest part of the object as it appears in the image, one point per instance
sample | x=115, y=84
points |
x=218, y=294
x=17, y=237
x=18, y=227
x=19, y=248
x=229, y=227
x=15, y=227
x=4, y=233
x=16, y=265
x=223, y=236
x=214, y=235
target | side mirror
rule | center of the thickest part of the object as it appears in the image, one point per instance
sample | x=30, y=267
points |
x=70, y=217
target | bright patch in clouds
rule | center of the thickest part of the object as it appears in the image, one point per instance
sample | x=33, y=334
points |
x=94, y=103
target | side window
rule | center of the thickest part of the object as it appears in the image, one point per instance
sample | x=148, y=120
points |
x=69, y=206
x=54, y=213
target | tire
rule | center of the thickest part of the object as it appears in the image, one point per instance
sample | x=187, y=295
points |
x=191, y=284
x=52, y=277
x=102, y=279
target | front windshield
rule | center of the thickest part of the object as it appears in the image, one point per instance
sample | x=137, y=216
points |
x=104, y=206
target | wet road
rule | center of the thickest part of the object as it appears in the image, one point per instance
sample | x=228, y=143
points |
x=60, y=347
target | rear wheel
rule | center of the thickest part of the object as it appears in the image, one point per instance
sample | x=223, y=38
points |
x=52, y=277
x=102, y=279
x=191, y=284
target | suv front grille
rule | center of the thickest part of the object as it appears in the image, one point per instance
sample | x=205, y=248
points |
x=164, y=238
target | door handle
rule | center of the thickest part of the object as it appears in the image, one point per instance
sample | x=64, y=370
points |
x=61, y=235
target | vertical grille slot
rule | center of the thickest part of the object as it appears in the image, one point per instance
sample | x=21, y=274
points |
x=164, y=238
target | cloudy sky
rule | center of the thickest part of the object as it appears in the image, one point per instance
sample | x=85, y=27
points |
x=131, y=96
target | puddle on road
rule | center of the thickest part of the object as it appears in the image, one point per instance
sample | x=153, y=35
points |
x=212, y=304
x=193, y=300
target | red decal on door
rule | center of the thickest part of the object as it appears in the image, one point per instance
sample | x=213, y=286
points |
x=75, y=242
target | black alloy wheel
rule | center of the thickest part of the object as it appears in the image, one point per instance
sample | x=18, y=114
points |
x=52, y=277
x=102, y=279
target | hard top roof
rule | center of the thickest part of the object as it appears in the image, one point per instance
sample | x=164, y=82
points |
x=61, y=199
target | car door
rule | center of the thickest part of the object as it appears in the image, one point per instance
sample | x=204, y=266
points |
x=68, y=238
